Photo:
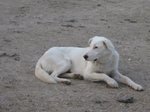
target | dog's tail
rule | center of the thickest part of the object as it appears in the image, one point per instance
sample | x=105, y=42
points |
x=43, y=75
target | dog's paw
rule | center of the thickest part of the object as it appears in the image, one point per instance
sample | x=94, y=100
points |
x=138, y=87
x=67, y=82
x=78, y=76
x=113, y=84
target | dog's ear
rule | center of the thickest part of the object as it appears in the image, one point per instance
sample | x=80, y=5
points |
x=90, y=40
x=108, y=44
x=105, y=44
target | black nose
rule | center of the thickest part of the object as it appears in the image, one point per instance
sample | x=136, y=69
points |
x=85, y=57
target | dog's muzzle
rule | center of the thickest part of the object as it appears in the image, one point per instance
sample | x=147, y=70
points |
x=85, y=57
x=95, y=60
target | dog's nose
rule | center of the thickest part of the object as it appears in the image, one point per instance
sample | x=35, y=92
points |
x=85, y=57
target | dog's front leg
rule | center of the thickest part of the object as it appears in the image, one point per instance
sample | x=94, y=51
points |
x=126, y=80
x=101, y=77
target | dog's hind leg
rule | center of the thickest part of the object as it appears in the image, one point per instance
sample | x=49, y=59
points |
x=63, y=67
x=43, y=75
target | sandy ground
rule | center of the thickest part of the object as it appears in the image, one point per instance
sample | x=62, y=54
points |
x=29, y=27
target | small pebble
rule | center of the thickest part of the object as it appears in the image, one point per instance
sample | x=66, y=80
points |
x=126, y=99
x=129, y=59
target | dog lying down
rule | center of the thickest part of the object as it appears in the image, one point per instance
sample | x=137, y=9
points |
x=97, y=62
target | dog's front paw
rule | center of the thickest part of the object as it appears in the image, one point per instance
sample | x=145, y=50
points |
x=113, y=83
x=138, y=87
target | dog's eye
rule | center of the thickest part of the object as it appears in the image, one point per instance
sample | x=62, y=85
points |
x=95, y=47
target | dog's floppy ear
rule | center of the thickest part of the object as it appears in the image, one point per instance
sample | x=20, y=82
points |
x=108, y=44
x=90, y=40
x=105, y=44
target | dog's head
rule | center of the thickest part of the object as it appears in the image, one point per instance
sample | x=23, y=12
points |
x=99, y=46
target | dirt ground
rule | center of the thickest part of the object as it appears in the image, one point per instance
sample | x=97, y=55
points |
x=29, y=27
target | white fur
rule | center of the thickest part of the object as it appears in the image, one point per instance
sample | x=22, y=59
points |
x=101, y=62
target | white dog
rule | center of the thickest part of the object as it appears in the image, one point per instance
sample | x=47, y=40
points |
x=96, y=63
